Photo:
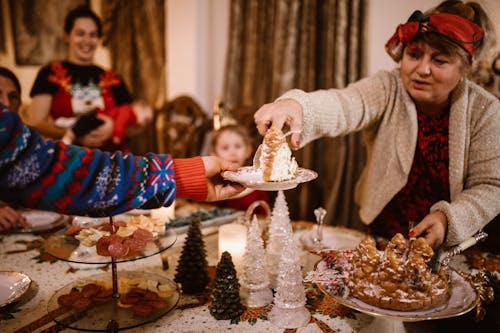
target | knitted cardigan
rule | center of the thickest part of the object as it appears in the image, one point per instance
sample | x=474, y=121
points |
x=74, y=180
x=381, y=108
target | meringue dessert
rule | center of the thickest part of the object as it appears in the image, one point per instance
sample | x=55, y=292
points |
x=275, y=158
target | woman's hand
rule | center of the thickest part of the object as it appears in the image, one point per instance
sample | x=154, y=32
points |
x=11, y=219
x=283, y=112
x=100, y=135
x=144, y=115
x=432, y=228
x=218, y=189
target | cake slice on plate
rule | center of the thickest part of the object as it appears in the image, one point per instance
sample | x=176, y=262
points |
x=275, y=158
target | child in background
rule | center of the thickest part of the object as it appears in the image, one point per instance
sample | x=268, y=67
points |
x=233, y=143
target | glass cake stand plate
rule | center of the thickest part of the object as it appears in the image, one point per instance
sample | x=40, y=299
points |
x=462, y=299
x=252, y=178
x=68, y=248
x=97, y=317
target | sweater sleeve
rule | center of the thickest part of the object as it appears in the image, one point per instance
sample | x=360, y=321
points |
x=74, y=180
x=475, y=203
x=190, y=178
x=337, y=112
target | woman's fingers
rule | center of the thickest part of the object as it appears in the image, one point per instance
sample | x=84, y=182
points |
x=279, y=113
x=10, y=218
x=432, y=228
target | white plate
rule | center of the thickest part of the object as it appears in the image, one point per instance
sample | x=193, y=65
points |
x=41, y=220
x=252, y=178
x=12, y=286
x=334, y=238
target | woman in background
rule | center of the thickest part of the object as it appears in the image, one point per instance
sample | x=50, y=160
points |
x=433, y=149
x=77, y=101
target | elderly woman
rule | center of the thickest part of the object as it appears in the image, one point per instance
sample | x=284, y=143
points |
x=433, y=149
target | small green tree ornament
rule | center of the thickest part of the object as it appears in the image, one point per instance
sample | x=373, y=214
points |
x=226, y=302
x=192, y=270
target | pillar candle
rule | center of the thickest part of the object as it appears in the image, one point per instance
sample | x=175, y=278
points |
x=233, y=239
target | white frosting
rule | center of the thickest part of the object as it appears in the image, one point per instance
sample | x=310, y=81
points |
x=284, y=165
x=276, y=158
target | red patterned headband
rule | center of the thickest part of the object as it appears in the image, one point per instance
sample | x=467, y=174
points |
x=455, y=28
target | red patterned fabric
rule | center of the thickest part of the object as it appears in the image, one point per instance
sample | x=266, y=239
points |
x=428, y=181
x=456, y=28
x=77, y=90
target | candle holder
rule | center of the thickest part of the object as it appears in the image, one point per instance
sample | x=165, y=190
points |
x=233, y=239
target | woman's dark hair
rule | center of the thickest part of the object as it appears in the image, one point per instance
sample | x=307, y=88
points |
x=79, y=12
x=8, y=74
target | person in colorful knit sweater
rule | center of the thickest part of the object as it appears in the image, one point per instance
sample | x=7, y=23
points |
x=10, y=96
x=77, y=101
x=50, y=175
x=433, y=149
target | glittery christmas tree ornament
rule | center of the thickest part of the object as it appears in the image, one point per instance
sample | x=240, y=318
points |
x=280, y=222
x=255, y=290
x=289, y=309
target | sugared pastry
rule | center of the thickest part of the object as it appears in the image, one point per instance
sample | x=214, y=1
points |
x=398, y=278
x=276, y=160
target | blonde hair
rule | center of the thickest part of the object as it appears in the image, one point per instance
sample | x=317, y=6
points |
x=237, y=129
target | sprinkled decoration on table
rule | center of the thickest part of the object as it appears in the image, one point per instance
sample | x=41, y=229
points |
x=486, y=285
x=479, y=260
x=331, y=280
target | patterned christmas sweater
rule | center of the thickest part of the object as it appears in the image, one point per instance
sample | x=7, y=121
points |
x=49, y=175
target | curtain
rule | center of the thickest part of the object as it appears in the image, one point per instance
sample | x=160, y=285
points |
x=134, y=31
x=277, y=45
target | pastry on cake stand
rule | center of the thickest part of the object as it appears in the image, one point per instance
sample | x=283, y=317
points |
x=330, y=275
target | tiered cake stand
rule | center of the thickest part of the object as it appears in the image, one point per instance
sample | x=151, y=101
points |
x=107, y=317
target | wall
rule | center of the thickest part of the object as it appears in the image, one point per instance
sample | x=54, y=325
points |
x=196, y=48
x=385, y=15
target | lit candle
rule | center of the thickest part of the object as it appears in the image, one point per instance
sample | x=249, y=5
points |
x=233, y=239
x=164, y=214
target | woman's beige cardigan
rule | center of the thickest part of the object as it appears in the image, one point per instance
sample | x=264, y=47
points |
x=383, y=110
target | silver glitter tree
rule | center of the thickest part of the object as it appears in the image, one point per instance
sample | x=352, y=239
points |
x=255, y=290
x=280, y=221
x=289, y=309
